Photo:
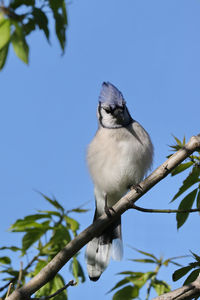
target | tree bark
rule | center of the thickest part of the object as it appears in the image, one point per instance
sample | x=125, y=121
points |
x=125, y=203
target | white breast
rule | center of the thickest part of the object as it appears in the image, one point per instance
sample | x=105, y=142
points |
x=118, y=158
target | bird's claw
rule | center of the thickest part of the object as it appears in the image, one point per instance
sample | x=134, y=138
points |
x=136, y=187
x=108, y=209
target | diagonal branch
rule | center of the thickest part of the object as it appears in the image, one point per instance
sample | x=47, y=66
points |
x=166, y=211
x=125, y=203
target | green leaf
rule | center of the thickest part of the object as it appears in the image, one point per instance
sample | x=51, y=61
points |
x=41, y=20
x=139, y=281
x=198, y=200
x=5, y=260
x=197, y=257
x=145, y=253
x=4, y=32
x=29, y=26
x=51, y=287
x=160, y=287
x=77, y=270
x=175, y=263
x=10, y=271
x=148, y=275
x=120, y=283
x=33, y=235
x=45, y=249
x=170, y=261
x=127, y=293
x=137, y=278
x=50, y=213
x=181, y=272
x=185, y=204
x=178, y=141
x=55, y=5
x=72, y=224
x=144, y=260
x=60, y=30
x=81, y=272
x=54, y=202
x=12, y=248
x=30, y=238
x=60, y=16
x=64, y=13
x=58, y=284
x=191, y=179
x=182, y=167
x=25, y=224
x=3, y=55
x=19, y=44
x=40, y=265
x=16, y=3
x=60, y=236
x=36, y=217
x=192, y=277
x=79, y=210
x=130, y=273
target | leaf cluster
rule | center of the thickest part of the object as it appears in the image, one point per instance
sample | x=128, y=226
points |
x=47, y=232
x=192, y=180
x=194, y=267
x=21, y=17
x=130, y=286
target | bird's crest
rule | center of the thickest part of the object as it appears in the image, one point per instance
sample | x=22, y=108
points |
x=111, y=95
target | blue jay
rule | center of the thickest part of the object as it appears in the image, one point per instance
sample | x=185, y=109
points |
x=118, y=157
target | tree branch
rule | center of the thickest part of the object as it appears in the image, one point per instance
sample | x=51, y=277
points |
x=186, y=292
x=166, y=211
x=125, y=203
x=9, y=289
x=20, y=275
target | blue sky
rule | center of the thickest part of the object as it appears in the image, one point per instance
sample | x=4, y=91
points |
x=150, y=50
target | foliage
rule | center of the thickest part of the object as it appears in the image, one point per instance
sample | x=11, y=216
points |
x=193, y=266
x=48, y=232
x=133, y=282
x=21, y=17
x=192, y=179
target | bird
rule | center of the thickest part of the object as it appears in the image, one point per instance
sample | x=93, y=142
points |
x=118, y=158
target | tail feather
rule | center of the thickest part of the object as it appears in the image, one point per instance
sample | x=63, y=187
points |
x=117, y=249
x=100, y=249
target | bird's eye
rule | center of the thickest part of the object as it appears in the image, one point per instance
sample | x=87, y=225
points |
x=108, y=110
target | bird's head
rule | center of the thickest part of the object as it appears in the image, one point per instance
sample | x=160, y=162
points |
x=112, y=110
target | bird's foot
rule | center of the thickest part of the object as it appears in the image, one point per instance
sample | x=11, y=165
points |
x=137, y=188
x=108, y=209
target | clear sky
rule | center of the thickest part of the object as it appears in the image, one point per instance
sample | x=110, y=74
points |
x=151, y=51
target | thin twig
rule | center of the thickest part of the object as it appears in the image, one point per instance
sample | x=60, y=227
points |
x=6, y=285
x=9, y=288
x=31, y=262
x=70, y=283
x=25, y=269
x=20, y=275
x=165, y=211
